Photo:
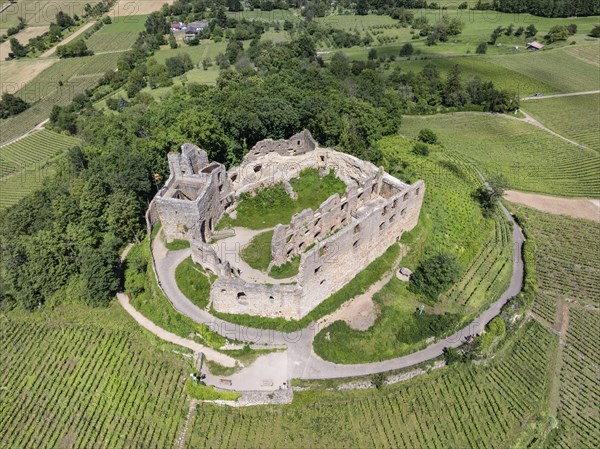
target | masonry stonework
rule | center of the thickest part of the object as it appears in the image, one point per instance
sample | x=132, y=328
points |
x=334, y=243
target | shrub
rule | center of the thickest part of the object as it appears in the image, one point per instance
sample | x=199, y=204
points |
x=407, y=49
x=595, y=31
x=421, y=149
x=11, y=105
x=482, y=48
x=428, y=136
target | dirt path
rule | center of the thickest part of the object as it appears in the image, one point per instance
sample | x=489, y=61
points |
x=182, y=438
x=163, y=334
x=563, y=319
x=572, y=94
x=72, y=37
x=576, y=208
x=529, y=119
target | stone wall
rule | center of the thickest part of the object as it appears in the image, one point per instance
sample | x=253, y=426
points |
x=194, y=197
x=334, y=243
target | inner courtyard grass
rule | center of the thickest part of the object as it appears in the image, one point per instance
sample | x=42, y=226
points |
x=257, y=253
x=272, y=205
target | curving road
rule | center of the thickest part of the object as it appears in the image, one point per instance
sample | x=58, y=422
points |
x=302, y=362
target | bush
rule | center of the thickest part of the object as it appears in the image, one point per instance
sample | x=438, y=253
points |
x=482, y=48
x=73, y=49
x=407, y=49
x=595, y=31
x=421, y=149
x=435, y=275
x=428, y=136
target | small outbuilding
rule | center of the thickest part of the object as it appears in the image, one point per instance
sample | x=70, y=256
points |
x=535, y=45
x=196, y=27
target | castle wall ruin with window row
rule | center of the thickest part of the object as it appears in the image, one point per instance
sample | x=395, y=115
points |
x=334, y=243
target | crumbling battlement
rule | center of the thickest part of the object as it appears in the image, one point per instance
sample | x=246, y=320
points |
x=334, y=243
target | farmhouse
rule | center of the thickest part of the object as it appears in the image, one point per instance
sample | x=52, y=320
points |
x=195, y=27
x=334, y=243
x=535, y=45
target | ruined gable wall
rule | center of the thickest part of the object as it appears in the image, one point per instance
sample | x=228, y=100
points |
x=234, y=295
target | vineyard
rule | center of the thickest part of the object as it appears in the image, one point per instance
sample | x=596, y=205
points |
x=84, y=385
x=40, y=12
x=117, y=36
x=579, y=397
x=461, y=406
x=24, y=164
x=570, y=72
x=569, y=276
x=57, y=85
x=530, y=158
x=574, y=117
x=450, y=221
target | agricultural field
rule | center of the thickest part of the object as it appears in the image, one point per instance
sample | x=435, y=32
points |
x=577, y=118
x=45, y=90
x=68, y=381
x=389, y=35
x=120, y=35
x=561, y=68
x=531, y=159
x=25, y=164
x=579, y=423
x=450, y=221
x=568, y=273
x=40, y=12
x=461, y=406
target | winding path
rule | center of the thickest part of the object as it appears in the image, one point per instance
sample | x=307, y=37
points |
x=302, y=362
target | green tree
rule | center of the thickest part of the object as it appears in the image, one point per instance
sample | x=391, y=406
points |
x=11, y=105
x=531, y=30
x=17, y=49
x=435, y=275
x=156, y=23
x=123, y=215
x=557, y=33
x=136, y=81
x=407, y=49
x=98, y=268
x=362, y=7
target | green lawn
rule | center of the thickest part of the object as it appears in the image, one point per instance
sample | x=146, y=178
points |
x=530, y=158
x=577, y=118
x=272, y=205
x=286, y=270
x=193, y=282
x=257, y=253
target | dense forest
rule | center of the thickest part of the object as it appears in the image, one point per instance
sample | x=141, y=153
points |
x=62, y=242
x=547, y=8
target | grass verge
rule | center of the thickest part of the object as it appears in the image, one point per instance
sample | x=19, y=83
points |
x=193, y=282
x=209, y=393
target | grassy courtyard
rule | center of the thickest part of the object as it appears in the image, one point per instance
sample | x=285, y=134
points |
x=272, y=205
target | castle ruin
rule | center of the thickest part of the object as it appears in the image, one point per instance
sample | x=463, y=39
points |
x=334, y=243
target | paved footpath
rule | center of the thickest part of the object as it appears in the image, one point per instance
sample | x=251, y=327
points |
x=302, y=362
